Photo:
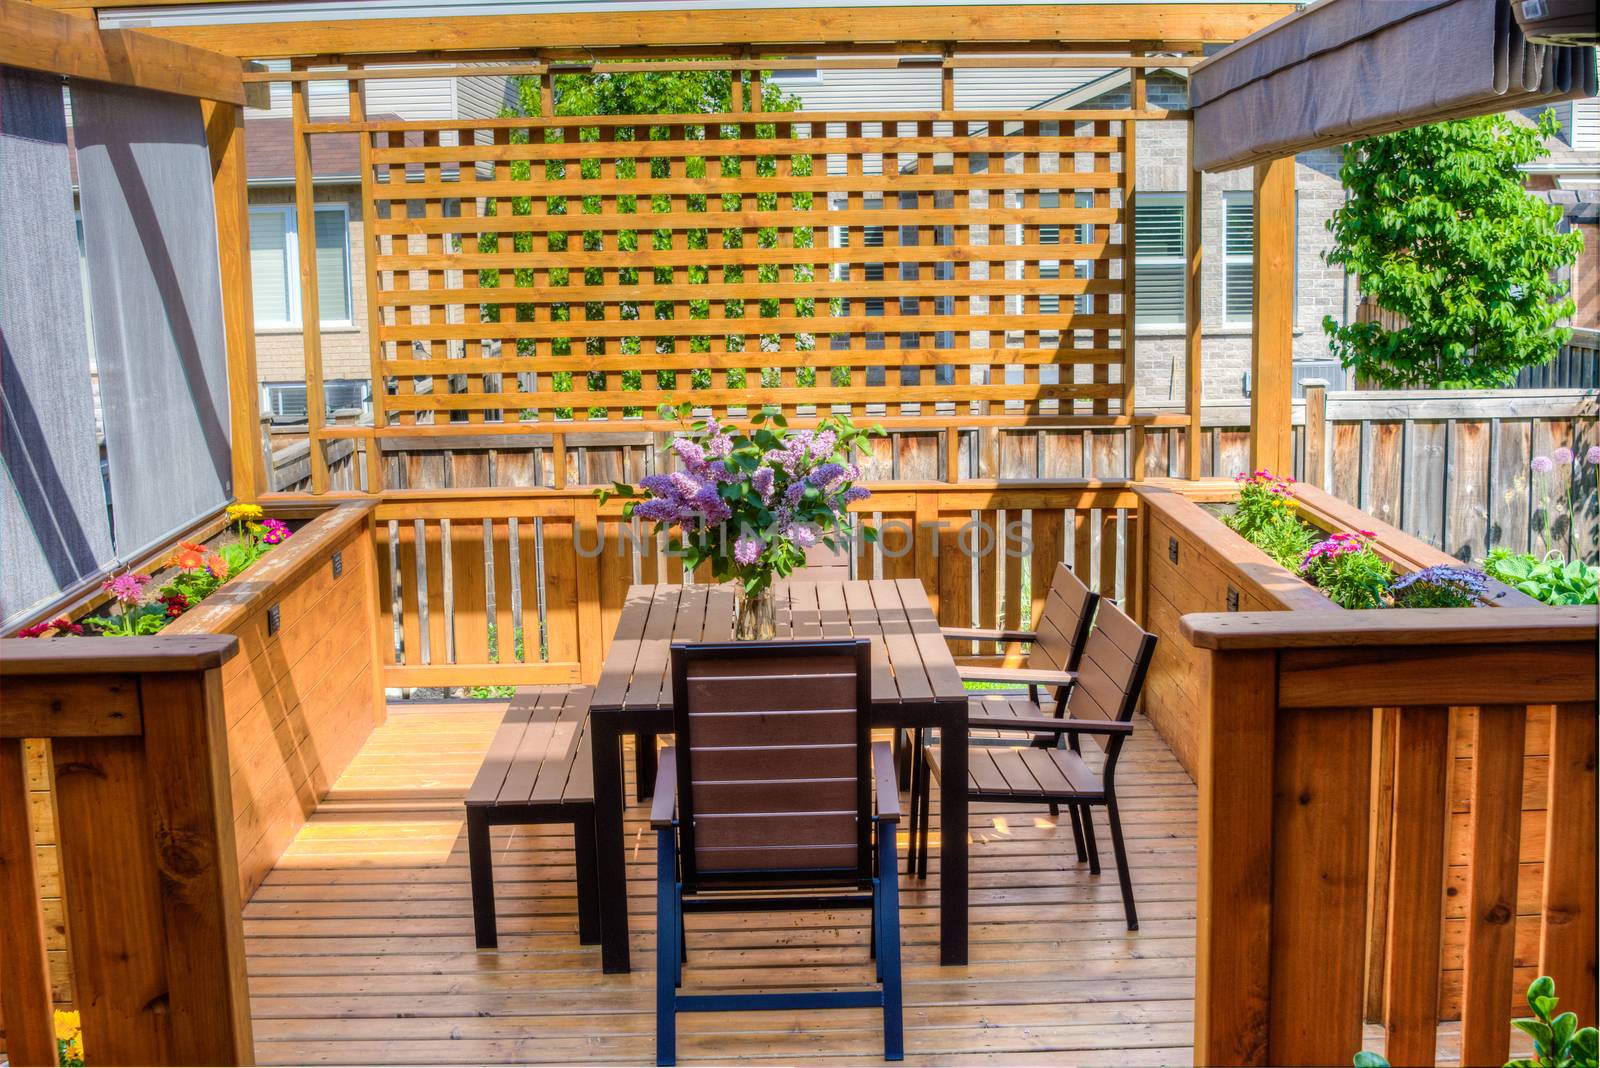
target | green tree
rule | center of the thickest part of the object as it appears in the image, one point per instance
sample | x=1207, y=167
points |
x=1440, y=230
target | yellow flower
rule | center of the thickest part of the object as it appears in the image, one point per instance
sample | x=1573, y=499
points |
x=68, y=1025
x=240, y=512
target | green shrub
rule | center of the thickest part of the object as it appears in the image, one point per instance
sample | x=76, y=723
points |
x=1552, y=579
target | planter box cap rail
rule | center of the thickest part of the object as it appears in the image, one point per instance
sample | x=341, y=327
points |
x=1390, y=626
x=114, y=656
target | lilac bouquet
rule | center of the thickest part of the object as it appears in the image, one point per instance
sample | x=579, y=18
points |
x=750, y=503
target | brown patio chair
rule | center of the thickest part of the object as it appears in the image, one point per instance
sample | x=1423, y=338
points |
x=773, y=777
x=1057, y=645
x=1100, y=706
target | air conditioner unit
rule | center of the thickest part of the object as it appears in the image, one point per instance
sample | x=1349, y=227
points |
x=1557, y=22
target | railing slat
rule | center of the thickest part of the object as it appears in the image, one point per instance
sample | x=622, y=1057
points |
x=1567, y=950
x=1416, y=891
x=1234, y=895
x=1321, y=799
x=119, y=965
x=1496, y=830
x=24, y=964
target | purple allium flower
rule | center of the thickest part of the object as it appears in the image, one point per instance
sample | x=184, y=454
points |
x=1562, y=455
x=1471, y=579
x=1542, y=465
x=747, y=551
x=127, y=589
x=1592, y=457
x=761, y=480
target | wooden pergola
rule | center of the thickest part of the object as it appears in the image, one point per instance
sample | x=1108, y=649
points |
x=708, y=257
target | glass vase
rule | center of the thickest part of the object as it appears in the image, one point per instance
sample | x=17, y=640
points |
x=755, y=616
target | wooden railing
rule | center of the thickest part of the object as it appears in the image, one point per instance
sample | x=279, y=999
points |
x=144, y=843
x=1286, y=813
x=486, y=587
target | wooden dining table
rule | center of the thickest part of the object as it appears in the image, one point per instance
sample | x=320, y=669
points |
x=914, y=684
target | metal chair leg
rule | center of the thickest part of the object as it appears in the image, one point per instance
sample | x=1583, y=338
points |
x=886, y=900
x=667, y=962
x=925, y=818
x=1088, y=837
x=1077, y=833
x=1123, y=875
x=919, y=783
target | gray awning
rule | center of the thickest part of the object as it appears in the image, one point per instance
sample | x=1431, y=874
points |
x=1341, y=70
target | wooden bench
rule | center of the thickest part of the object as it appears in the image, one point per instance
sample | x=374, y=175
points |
x=538, y=770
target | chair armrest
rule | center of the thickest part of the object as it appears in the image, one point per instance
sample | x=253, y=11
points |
x=985, y=634
x=1048, y=725
x=664, y=804
x=888, y=786
x=1018, y=676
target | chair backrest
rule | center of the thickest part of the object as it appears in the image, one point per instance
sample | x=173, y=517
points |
x=1111, y=673
x=1064, y=624
x=774, y=762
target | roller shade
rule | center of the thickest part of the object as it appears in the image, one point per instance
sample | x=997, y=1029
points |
x=54, y=529
x=1341, y=70
x=155, y=298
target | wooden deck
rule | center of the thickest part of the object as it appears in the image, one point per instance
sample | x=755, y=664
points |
x=361, y=951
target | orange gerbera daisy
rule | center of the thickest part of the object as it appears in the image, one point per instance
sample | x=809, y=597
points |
x=190, y=556
x=217, y=566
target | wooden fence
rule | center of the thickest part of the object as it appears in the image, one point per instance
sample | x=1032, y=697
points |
x=1286, y=816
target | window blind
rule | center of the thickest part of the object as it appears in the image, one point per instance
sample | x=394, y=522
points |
x=1238, y=240
x=1158, y=225
x=269, y=266
x=333, y=266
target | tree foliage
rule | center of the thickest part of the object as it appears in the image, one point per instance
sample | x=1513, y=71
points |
x=664, y=92
x=1440, y=230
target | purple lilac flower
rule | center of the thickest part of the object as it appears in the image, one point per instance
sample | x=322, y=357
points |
x=855, y=493
x=127, y=589
x=802, y=534
x=826, y=474
x=822, y=445
x=690, y=452
x=1542, y=465
x=1592, y=457
x=1562, y=455
x=747, y=551
x=1471, y=579
x=793, y=494
x=762, y=482
x=659, y=509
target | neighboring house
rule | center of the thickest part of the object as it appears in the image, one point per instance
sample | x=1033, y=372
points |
x=341, y=269
x=1570, y=177
x=1227, y=220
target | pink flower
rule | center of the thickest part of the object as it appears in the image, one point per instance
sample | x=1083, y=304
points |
x=274, y=531
x=1592, y=457
x=1562, y=455
x=1542, y=465
x=747, y=551
x=126, y=589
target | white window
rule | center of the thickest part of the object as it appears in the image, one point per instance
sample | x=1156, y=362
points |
x=1585, y=131
x=275, y=265
x=1158, y=229
x=1238, y=254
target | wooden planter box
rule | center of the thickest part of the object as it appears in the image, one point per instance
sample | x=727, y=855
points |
x=305, y=691
x=1195, y=563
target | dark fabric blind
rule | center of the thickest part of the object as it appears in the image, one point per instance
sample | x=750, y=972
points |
x=54, y=530
x=155, y=296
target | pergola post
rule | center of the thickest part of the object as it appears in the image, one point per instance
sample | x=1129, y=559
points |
x=225, y=135
x=1272, y=343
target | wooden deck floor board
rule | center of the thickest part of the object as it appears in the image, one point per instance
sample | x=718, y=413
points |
x=360, y=940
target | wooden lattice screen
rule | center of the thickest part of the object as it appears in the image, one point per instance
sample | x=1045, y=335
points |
x=536, y=268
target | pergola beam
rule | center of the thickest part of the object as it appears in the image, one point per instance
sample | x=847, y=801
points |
x=36, y=38
x=1146, y=25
